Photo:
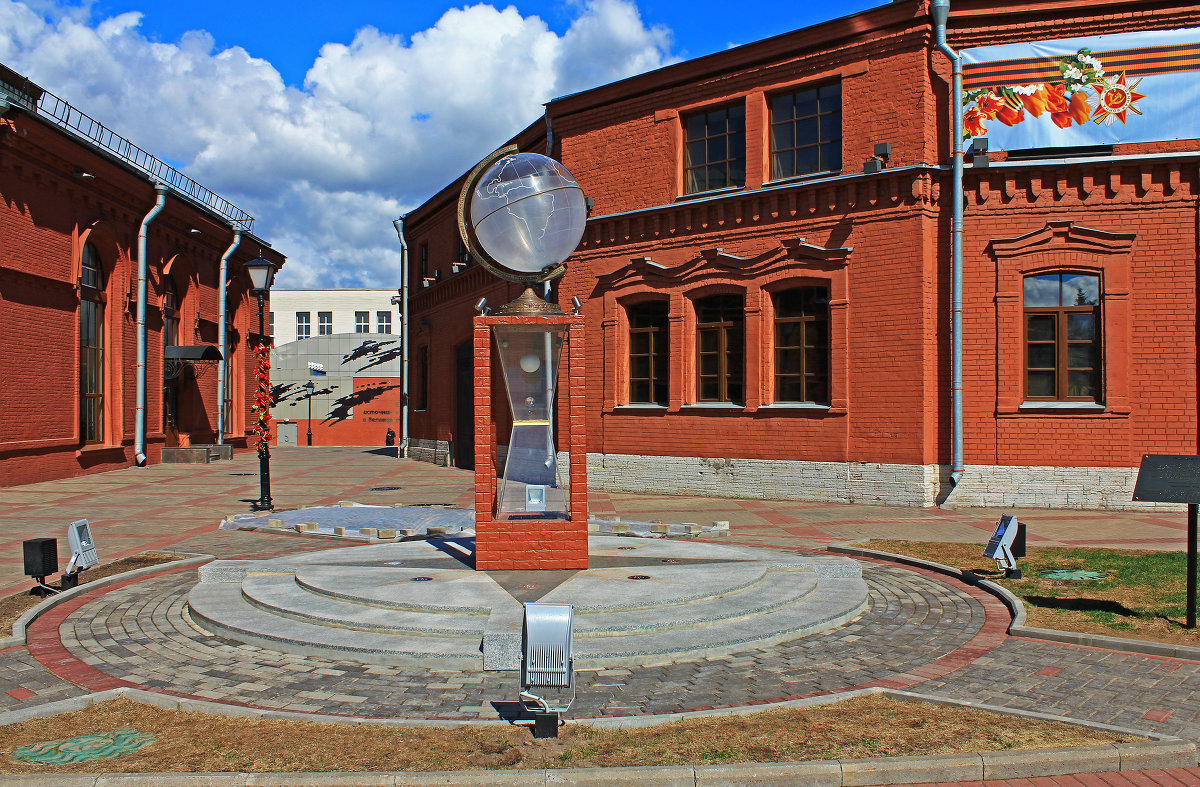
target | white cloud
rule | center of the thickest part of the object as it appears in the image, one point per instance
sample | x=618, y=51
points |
x=380, y=123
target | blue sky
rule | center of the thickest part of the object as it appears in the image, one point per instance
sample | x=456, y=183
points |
x=290, y=34
x=327, y=120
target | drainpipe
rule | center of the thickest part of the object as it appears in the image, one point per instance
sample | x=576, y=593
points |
x=940, y=11
x=402, y=453
x=139, y=436
x=549, y=136
x=223, y=366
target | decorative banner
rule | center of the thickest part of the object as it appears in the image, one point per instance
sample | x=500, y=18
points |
x=1101, y=90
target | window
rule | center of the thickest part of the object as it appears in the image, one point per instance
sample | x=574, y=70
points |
x=91, y=347
x=648, y=344
x=303, y=325
x=423, y=257
x=802, y=345
x=464, y=256
x=806, y=131
x=324, y=323
x=170, y=310
x=716, y=149
x=362, y=322
x=384, y=321
x=1062, y=337
x=270, y=323
x=172, y=369
x=719, y=346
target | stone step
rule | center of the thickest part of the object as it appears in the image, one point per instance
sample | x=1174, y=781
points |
x=221, y=610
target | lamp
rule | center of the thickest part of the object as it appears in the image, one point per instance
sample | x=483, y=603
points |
x=979, y=152
x=310, y=387
x=262, y=275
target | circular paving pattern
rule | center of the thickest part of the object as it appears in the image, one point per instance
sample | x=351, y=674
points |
x=917, y=627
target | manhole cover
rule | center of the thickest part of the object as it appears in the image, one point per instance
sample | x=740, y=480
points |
x=385, y=489
x=528, y=587
x=626, y=547
x=638, y=576
x=421, y=579
x=1074, y=575
x=671, y=560
x=394, y=563
x=101, y=745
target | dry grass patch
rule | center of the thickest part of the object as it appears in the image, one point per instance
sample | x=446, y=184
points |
x=1142, y=595
x=14, y=606
x=871, y=726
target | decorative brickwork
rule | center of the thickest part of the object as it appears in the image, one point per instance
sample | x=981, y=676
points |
x=512, y=542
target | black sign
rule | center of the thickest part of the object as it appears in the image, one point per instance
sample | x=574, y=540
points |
x=1165, y=478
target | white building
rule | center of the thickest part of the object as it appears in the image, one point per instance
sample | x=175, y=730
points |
x=299, y=314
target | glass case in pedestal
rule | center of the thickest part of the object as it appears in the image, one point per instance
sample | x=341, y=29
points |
x=529, y=356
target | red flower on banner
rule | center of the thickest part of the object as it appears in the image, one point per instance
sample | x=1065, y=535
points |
x=989, y=104
x=973, y=123
x=1009, y=116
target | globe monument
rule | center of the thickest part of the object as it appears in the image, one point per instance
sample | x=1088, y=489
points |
x=521, y=215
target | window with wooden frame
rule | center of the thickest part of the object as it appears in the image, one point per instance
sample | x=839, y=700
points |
x=802, y=345
x=648, y=352
x=720, y=348
x=91, y=346
x=172, y=369
x=1062, y=337
x=715, y=149
x=806, y=131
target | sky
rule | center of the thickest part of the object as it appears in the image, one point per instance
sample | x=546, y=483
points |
x=328, y=120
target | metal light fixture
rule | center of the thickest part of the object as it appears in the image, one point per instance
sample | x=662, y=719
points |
x=481, y=306
x=576, y=305
x=310, y=387
x=262, y=276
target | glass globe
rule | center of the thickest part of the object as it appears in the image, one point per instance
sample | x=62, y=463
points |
x=527, y=212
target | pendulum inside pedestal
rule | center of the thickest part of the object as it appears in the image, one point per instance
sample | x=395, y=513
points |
x=529, y=356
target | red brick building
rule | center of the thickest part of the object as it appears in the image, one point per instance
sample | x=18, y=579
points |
x=76, y=200
x=767, y=269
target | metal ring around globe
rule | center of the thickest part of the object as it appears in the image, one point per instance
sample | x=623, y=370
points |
x=521, y=244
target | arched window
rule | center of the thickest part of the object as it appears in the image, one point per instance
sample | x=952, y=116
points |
x=1062, y=337
x=720, y=350
x=171, y=368
x=802, y=345
x=91, y=346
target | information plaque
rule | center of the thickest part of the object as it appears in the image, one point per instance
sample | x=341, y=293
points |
x=1171, y=478
x=1166, y=478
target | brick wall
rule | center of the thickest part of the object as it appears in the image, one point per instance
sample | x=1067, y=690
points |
x=46, y=217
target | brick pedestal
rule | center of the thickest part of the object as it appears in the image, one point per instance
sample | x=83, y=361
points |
x=515, y=542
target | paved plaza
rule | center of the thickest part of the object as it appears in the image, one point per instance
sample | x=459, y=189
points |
x=922, y=631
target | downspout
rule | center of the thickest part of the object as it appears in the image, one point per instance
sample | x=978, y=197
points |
x=549, y=136
x=139, y=435
x=402, y=452
x=223, y=366
x=940, y=10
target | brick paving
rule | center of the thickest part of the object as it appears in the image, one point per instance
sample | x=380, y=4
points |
x=922, y=632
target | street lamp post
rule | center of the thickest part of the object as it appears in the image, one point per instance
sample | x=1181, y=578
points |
x=262, y=274
x=310, y=387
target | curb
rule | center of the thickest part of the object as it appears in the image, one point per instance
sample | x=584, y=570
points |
x=1160, y=752
x=18, y=631
x=1017, y=609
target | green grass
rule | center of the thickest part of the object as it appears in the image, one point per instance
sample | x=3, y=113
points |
x=1143, y=593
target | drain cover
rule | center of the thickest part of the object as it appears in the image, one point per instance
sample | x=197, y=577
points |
x=626, y=547
x=421, y=579
x=97, y=746
x=1074, y=575
x=638, y=576
x=528, y=587
x=385, y=489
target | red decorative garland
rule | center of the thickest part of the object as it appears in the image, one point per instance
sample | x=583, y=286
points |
x=262, y=399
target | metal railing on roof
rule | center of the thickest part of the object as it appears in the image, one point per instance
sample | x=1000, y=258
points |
x=65, y=116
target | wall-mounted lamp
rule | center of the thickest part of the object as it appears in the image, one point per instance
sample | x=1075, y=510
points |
x=79, y=173
x=883, y=152
x=481, y=306
x=872, y=165
x=979, y=152
x=195, y=231
x=590, y=203
x=576, y=306
x=457, y=267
